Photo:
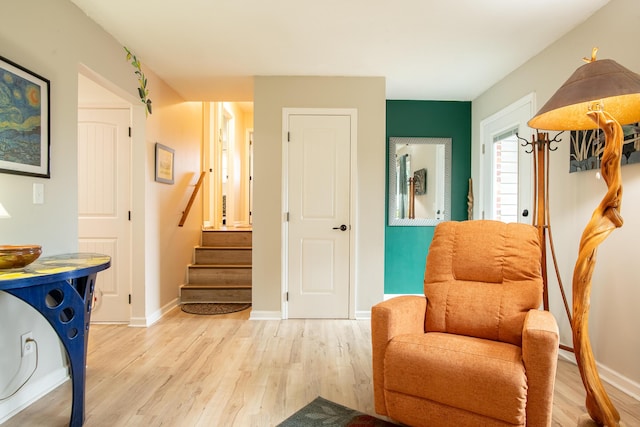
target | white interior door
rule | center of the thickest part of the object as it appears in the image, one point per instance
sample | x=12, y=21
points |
x=104, y=166
x=319, y=229
x=506, y=187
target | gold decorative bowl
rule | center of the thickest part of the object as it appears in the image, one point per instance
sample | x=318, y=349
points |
x=18, y=256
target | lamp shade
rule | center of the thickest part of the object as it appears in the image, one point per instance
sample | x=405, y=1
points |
x=606, y=82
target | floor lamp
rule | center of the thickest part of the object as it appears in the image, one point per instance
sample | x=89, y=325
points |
x=600, y=94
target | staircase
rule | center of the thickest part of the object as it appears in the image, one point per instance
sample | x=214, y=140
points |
x=221, y=271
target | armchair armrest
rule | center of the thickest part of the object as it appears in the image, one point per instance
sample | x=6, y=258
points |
x=397, y=316
x=540, y=339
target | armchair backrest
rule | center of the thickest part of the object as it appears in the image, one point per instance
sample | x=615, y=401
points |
x=481, y=279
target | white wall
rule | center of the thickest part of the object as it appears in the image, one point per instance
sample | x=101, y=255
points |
x=271, y=95
x=615, y=295
x=63, y=42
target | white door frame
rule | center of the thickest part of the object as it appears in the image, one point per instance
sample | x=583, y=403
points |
x=353, y=114
x=486, y=135
x=249, y=173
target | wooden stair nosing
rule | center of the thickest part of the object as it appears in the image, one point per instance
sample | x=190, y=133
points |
x=227, y=230
x=230, y=248
x=211, y=279
x=201, y=293
x=222, y=257
x=214, y=286
x=220, y=266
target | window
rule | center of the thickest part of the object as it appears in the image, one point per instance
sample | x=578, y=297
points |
x=505, y=176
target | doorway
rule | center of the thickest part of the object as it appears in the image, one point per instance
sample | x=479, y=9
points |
x=318, y=192
x=227, y=155
x=506, y=185
x=105, y=193
x=104, y=182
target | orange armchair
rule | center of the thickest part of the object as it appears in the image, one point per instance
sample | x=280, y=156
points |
x=476, y=350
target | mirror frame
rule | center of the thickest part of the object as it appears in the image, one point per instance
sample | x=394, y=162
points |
x=394, y=141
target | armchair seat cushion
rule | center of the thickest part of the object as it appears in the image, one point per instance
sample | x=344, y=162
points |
x=473, y=374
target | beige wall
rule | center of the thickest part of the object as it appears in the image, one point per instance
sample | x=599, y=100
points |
x=271, y=95
x=573, y=197
x=168, y=249
x=63, y=42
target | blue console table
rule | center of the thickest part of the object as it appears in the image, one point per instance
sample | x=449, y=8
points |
x=61, y=289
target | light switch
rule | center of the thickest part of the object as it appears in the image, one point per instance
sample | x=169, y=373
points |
x=38, y=193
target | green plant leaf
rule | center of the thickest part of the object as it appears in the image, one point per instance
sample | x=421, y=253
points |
x=143, y=92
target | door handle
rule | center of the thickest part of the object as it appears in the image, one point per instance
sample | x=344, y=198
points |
x=342, y=228
x=525, y=212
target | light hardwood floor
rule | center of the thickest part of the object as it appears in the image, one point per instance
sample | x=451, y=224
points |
x=189, y=370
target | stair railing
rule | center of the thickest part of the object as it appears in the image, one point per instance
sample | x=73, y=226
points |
x=185, y=213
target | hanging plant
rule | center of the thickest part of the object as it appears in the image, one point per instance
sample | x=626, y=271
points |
x=142, y=81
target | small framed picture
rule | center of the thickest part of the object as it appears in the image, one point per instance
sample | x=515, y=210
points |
x=24, y=121
x=420, y=178
x=164, y=164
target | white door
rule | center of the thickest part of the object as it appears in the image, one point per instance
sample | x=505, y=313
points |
x=319, y=229
x=104, y=166
x=506, y=181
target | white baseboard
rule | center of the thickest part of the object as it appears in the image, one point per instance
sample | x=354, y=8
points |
x=610, y=376
x=567, y=355
x=157, y=315
x=138, y=322
x=265, y=315
x=620, y=382
x=31, y=392
x=145, y=322
x=363, y=315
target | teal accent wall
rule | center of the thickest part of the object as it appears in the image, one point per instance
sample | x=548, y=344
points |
x=406, y=247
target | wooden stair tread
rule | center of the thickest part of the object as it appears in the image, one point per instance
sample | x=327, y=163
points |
x=231, y=248
x=238, y=266
x=214, y=286
x=228, y=230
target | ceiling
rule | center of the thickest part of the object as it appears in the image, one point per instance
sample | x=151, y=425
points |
x=209, y=50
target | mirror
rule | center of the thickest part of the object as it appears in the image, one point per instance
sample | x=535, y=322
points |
x=419, y=181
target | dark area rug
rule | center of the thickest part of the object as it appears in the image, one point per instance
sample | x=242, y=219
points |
x=322, y=412
x=214, y=308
